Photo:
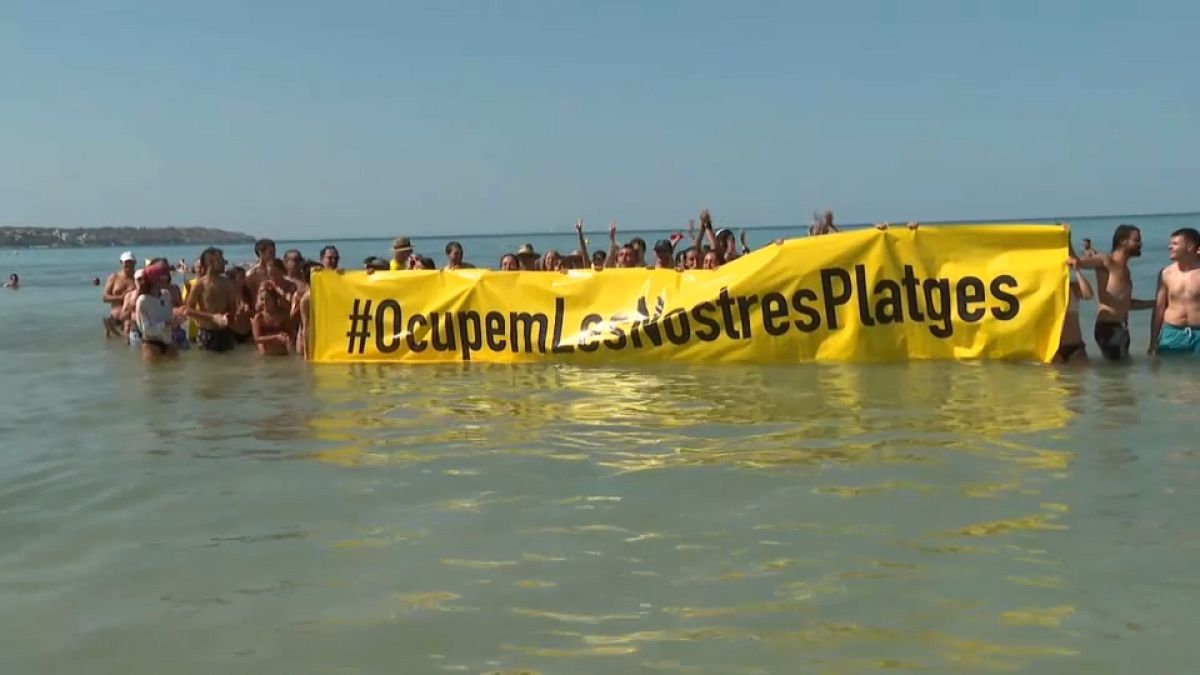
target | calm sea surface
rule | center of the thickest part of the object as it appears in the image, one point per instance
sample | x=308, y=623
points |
x=239, y=515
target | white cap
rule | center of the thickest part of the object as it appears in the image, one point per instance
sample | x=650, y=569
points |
x=127, y=256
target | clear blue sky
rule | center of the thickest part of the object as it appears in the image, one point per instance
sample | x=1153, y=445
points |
x=310, y=119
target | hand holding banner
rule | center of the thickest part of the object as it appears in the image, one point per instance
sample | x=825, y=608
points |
x=948, y=292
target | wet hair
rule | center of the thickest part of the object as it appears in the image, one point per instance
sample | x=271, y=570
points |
x=453, y=245
x=1122, y=234
x=262, y=245
x=1188, y=234
x=14, y=277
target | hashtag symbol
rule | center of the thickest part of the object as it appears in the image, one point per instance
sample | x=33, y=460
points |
x=360, y=326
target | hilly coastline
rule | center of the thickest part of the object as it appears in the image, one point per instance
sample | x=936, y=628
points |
x=59, y=237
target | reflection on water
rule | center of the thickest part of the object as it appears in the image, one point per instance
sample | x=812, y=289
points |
x=919, y=517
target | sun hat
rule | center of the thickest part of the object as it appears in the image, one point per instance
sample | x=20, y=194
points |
x=526, y=250
x=402, y=244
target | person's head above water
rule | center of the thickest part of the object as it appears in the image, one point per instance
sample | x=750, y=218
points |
x=1185, y=245
x=13, y=281
x=1127, y=239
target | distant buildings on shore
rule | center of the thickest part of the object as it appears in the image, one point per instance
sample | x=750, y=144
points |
x=60, y=237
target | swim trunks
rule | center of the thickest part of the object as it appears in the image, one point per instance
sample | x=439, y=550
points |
x=216, y=339
x=1113, y=339
x=1065, y=352
x=243, y=338
x=1179, y=340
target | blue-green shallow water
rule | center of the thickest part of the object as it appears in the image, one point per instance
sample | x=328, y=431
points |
x=232, y=514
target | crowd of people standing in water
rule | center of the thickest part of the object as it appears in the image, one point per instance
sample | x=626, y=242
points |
x=266, y=304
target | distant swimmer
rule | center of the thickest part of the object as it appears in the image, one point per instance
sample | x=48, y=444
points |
x=1115, y=291
x=1088, y=251
x=14, y=282
x=212, y=302
x=119, y=284
x=95, y=281
x=1071, y=348
x=1175, y=328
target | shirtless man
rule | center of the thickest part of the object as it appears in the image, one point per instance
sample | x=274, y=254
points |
x=264, y=249
x=1175, y=328
x=212, y=303
x=1114, y=287
x=1088, y=250
x=119, y=284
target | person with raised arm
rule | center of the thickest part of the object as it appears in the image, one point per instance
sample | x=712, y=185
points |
x=1175, y=325
x=624, y=256
x=583, y=249
x=1114, y=284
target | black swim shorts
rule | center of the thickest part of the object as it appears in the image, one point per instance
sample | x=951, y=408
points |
x=216, y=339
x=1113, y=339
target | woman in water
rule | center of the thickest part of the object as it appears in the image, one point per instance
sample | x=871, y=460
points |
x=272, y=325
x=1071, y=348
x=154, y=314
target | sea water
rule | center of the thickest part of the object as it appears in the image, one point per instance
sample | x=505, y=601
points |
x=226, y=513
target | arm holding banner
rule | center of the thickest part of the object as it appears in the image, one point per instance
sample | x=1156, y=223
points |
x=1156, y=318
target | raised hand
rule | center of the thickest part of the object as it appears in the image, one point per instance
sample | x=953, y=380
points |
x=579, y=225
x=612, y=229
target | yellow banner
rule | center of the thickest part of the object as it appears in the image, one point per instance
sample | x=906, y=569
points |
x=945, y=292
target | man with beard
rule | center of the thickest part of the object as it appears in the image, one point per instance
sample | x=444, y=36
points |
x=1114, y=285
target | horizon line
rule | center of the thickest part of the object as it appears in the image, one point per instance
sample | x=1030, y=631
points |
x=951, y=221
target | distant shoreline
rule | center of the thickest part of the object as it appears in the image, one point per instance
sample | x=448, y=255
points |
x=20, y=237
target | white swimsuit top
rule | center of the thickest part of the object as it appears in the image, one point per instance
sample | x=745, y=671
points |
x=153, y=315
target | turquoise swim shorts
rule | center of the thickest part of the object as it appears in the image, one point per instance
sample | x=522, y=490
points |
x=1179, y=340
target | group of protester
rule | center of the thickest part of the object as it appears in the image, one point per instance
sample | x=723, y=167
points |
x=267, y=304
x=1175, y=317
x=708, y=248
